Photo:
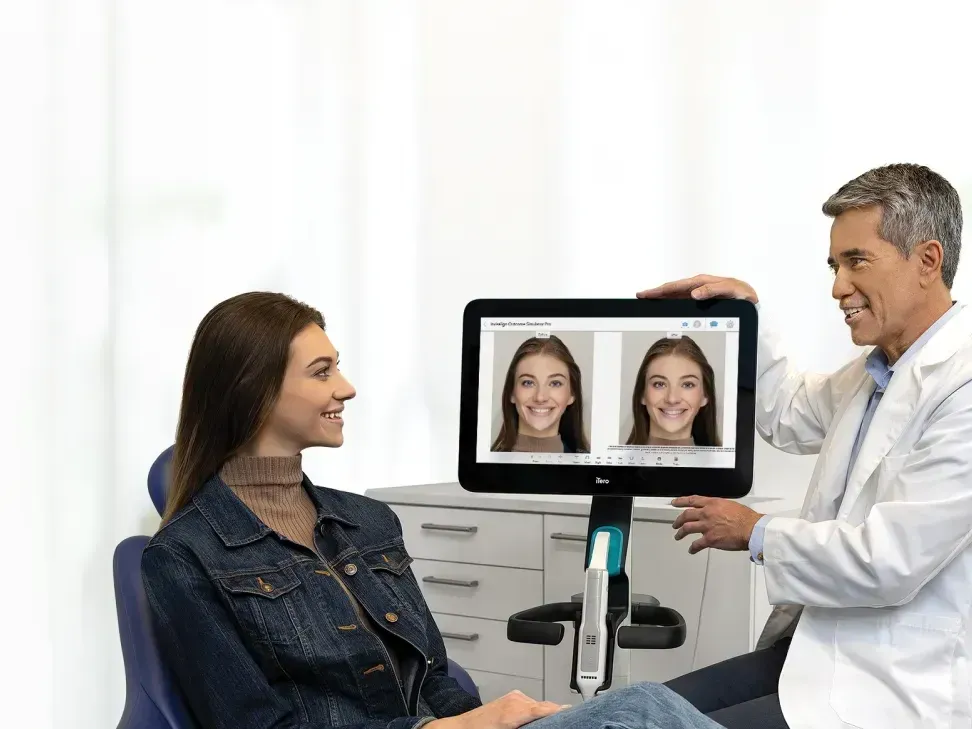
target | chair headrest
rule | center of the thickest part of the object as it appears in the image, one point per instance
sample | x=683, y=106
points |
x=158, y=478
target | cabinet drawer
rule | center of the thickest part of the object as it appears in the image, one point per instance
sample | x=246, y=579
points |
x=478, y=591
x=500, y=538
x=564, y=547
x=481, y=645
x=495, y=685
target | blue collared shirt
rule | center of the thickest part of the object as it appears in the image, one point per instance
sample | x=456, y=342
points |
x=880, y=371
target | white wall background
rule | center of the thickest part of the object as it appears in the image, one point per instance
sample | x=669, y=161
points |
x=388, y=161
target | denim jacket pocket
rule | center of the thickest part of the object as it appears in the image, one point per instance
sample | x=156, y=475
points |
x=391, y=558
x=264, y=603
x=390, y=564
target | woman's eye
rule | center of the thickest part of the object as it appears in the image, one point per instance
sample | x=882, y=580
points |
x=324, y=373
x=658, y=385
x=688, y=385
x=556, y=383
x=526, y=383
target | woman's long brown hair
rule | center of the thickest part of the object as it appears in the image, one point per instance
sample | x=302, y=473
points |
x=705, y=430
x=232, y=380
x=571, y=422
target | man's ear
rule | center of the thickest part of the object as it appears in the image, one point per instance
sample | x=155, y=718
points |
x=929, y=255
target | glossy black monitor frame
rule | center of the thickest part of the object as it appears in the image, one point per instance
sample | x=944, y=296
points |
x=589, y=480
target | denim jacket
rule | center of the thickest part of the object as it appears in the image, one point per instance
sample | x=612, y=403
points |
x=261, y=632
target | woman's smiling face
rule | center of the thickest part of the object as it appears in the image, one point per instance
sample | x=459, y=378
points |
x=541, y=393
x=673, y=396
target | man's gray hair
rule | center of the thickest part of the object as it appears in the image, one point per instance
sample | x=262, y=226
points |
x=916, y=205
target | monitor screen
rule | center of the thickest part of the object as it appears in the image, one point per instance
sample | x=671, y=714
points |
x=609, y=396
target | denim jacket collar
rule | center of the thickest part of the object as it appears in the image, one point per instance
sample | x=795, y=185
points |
x=236, y=525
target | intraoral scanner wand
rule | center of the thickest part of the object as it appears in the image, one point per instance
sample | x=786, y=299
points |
x=592, y=637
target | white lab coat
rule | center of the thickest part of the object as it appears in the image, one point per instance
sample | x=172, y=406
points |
x=882, y=571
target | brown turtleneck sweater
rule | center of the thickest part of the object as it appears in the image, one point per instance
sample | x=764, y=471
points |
x=534, y=444
x=655, y=440
x=272, y=488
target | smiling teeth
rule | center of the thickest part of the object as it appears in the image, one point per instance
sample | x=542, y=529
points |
x=541, y=411
x=673, y=413
x=851, y=312
x=332, y=416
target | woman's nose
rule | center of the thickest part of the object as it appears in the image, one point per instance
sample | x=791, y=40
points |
x=345, y=390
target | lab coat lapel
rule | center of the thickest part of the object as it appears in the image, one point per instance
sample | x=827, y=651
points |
x=899, y=402
x=831, y=472
x=890, y=419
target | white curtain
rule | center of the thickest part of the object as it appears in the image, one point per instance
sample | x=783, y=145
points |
x=387, y=162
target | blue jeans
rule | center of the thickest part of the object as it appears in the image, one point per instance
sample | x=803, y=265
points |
x=639, y=706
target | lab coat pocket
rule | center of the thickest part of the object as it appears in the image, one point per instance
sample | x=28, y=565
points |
x=894, y=670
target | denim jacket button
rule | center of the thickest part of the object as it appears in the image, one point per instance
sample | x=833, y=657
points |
x=351, y=569
x=391, y=617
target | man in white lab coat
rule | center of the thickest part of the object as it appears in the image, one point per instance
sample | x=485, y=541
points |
x=872, y=583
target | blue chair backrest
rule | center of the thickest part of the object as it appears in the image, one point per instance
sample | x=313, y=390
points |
x=151, y=701
x=158, y=478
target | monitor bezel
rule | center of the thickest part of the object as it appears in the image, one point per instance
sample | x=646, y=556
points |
x=579, y=479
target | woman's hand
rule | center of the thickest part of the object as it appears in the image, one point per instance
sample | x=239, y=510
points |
x=507, y=712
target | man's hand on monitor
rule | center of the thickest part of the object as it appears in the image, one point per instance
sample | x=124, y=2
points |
x=723, y=524
x=702, y=287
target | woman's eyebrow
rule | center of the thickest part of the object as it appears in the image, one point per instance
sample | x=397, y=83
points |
x=320, y=360
x=689, y=377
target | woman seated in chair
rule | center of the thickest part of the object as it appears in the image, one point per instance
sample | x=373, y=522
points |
x=282, y=605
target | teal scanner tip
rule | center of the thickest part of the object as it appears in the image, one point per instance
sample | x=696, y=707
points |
x=614, y=548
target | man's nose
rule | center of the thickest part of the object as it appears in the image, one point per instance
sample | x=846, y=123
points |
x=842, y=287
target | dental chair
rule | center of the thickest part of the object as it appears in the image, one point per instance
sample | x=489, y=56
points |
x=152, y=700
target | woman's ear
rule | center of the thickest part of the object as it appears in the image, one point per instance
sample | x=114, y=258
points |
x=705, y=401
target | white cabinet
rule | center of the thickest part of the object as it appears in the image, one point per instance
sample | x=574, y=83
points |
x=480, y=558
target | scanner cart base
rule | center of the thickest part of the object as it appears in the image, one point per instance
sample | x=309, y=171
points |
x=652, y=625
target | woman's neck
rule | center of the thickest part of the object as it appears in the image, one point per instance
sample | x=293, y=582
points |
x=524, y=429
x=269, y=446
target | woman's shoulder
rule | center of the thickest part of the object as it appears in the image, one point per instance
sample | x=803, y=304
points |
x=178, y=535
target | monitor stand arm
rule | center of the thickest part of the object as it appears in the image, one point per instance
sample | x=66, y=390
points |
x=598, y=612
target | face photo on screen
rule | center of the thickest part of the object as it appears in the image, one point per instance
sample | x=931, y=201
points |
x=541, y=403
x=674, y=396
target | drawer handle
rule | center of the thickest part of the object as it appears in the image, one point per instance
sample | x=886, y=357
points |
x=447, y=581
x=450, y=528
x=562, y=536
x=462, y=636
